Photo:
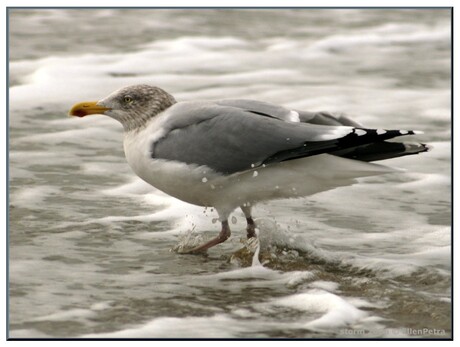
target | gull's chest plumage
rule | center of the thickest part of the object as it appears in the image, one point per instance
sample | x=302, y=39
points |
x=183, y=181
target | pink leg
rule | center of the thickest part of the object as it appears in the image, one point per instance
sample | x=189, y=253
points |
x=223, y=235
x=251, y=228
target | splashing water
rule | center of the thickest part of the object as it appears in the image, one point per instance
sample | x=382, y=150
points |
x=255, y=258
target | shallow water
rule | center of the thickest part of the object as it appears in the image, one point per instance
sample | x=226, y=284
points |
x=90, y=242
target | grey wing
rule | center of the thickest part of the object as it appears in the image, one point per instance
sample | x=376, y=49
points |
x=228, y=139
x=282, y=113
x=261, y=108
x=327, y=118
x=370, y=151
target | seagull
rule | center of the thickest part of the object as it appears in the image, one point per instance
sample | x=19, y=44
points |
x=235, y=153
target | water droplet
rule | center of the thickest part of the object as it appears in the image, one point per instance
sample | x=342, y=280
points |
x=277, y=187
x=213, y=186
x=255, y=174
x=252, y=165
x=234, y=220
x=288, y=138
x=204, y=180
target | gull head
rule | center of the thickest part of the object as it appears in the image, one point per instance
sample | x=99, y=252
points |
x=132, y=106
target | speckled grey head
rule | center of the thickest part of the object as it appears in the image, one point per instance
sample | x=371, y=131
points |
x=133, y=106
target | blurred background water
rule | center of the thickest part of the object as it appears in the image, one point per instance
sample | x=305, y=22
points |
x=89, y=251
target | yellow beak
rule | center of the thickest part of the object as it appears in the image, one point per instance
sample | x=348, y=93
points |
x=83, y=109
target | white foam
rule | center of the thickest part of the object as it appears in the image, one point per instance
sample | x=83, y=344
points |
x=27, y=333
x=325, y=285
x=200, y=42
x=259, y=275
x=33, y=197
x=73, y=314
x=382, y=36
x=217, y=326
x=255, y=258
x=394, y=249
x=336, y=312
x=102, y=167
x=135, y=187
x=89, y=136
x=36, y=157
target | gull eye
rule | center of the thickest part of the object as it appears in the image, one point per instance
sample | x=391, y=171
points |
x=127, y=99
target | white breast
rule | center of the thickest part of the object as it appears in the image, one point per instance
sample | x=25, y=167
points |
x=187, y=182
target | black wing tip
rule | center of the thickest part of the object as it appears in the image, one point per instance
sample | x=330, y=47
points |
x=416, y=148
x=411, y=132
x=426, y=148
x=417, y=132
x=356, y=138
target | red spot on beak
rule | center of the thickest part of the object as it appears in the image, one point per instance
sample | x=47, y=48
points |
x=83, y=109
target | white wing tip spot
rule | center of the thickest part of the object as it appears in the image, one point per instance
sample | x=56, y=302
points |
x=294, y=116
x=403, y=132
x=336, y=133
x=204, y=180
x=381, y=131
x=360, y=132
